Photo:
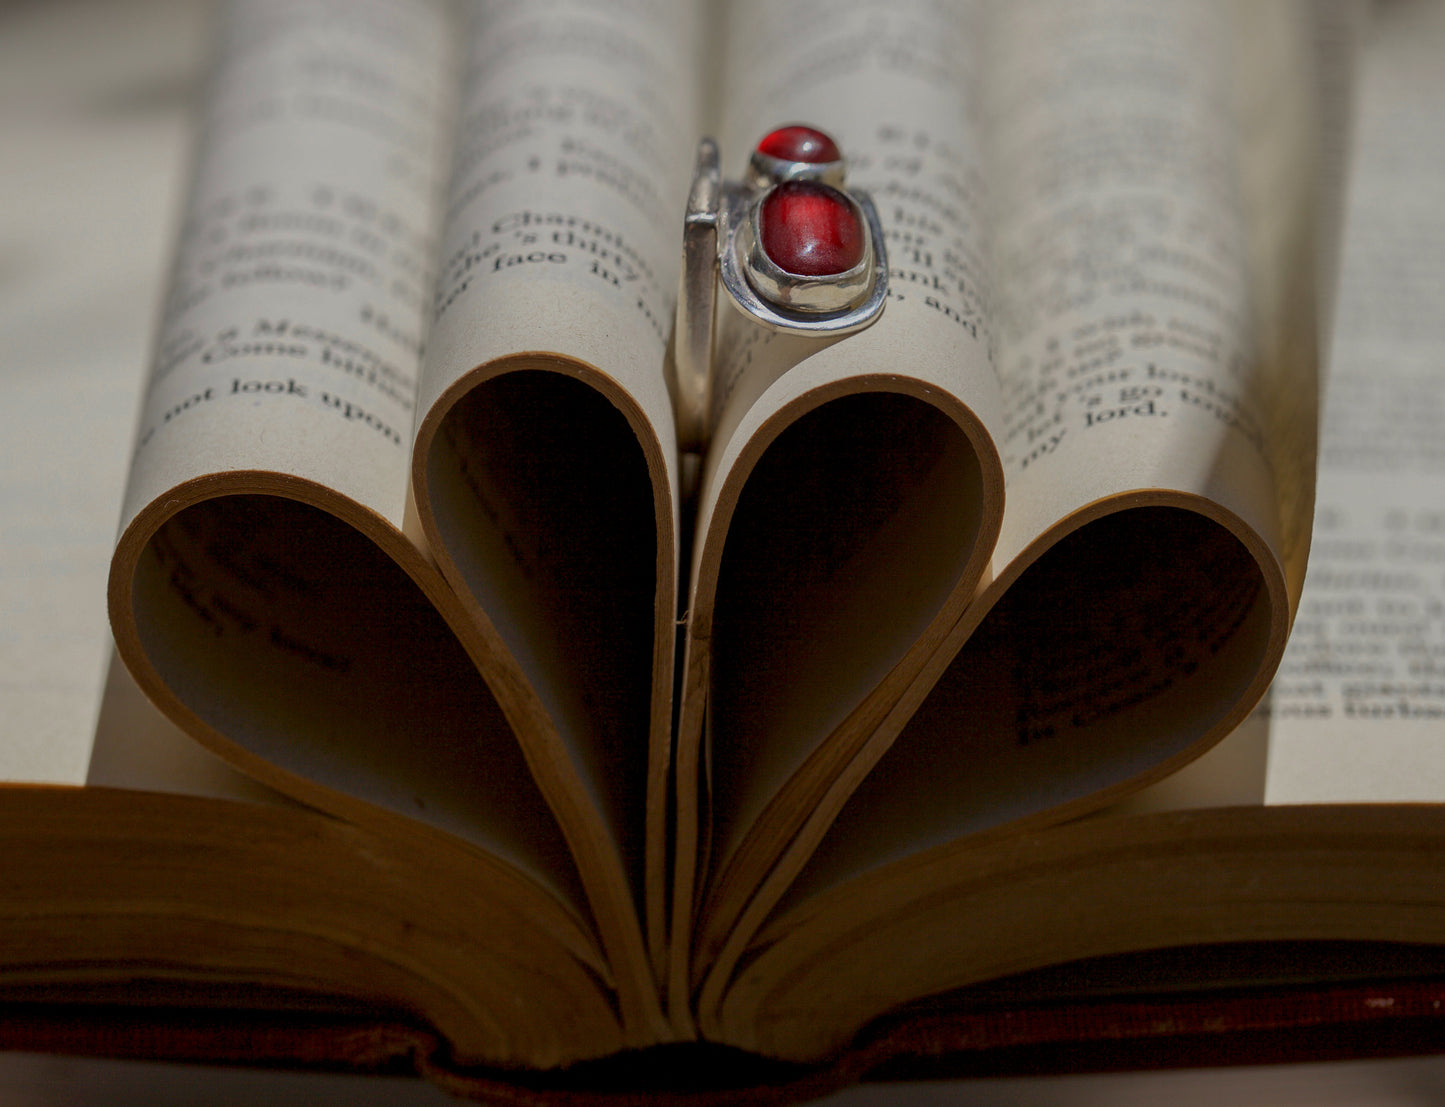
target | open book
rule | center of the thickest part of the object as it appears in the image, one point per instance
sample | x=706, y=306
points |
x=587, y=745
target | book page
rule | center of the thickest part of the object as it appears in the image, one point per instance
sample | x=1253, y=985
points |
x=138, y=748
x=87, y=197
x=1145, y=600
x=262, y=591
x=291, y=334
x=1150, y=180
x=546, y=473
x=1129, y=328
x=1356, y=713
x=851, y=493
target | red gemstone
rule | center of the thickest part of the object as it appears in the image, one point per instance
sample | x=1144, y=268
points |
x=810, y=229
x=799, y=144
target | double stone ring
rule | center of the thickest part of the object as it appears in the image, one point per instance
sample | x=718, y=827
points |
x=796, y=250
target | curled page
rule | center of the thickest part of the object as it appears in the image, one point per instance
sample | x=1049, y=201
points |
x=545, y=474
x=852, y=494
x=264, y=592
x=1149, y=178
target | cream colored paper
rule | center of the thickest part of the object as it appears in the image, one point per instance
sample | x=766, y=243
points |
x=1080, y=159
x=1151, y=219
x=262, y=591
x=551, y=315
x=285, y=369
x=892, y=85
x=1358, y=710
x=836, y=474
x=1127, y=331
x=291, y=334
x=87, y=197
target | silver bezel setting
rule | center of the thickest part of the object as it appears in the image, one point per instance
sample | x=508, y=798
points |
x=832, y=292
x=782, y=301
x=764, y=171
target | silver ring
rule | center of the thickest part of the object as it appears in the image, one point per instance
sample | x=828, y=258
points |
x=797, y=252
